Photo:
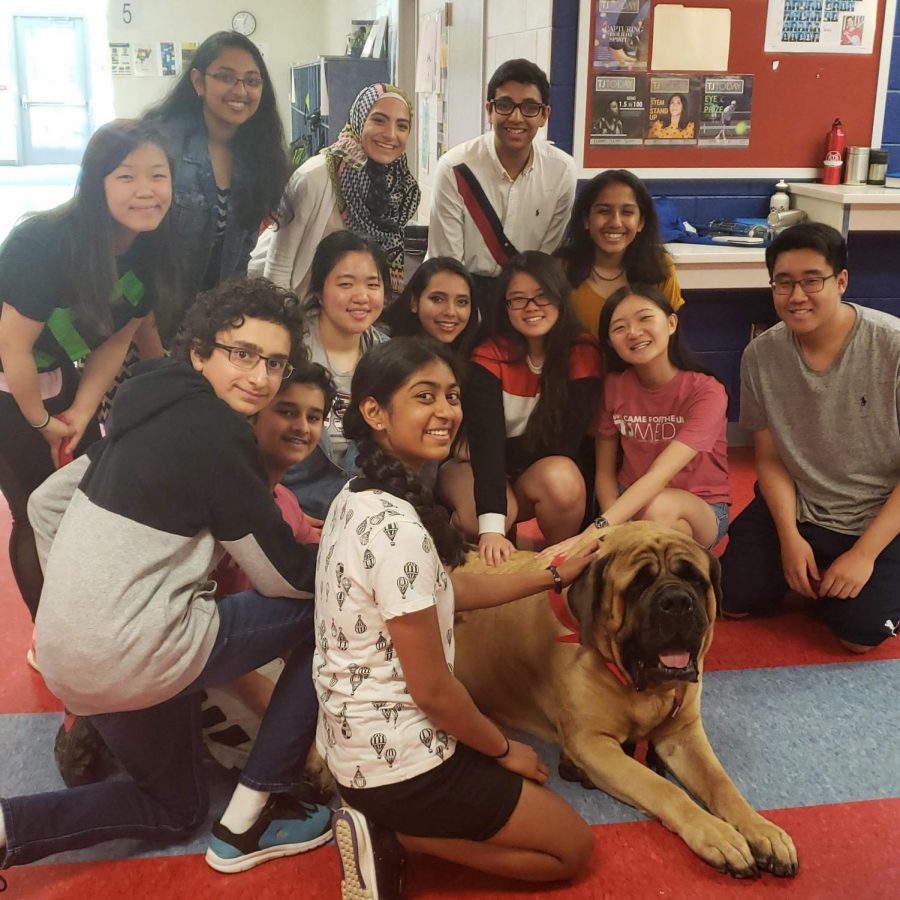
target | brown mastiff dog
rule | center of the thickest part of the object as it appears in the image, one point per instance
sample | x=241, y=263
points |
x=644, y=612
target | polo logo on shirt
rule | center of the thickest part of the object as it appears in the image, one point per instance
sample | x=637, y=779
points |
x=649, y=429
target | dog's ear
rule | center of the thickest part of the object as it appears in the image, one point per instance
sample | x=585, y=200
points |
x=584, y=598
x=715, y=578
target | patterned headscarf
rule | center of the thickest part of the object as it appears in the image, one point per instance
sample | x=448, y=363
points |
x=375, y=201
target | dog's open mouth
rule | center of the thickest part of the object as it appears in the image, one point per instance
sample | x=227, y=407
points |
x=671, y=664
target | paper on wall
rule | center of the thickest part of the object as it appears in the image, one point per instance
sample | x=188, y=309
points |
x=821, y=26
x=145, y=62
x=120, y=58
x=687, y=38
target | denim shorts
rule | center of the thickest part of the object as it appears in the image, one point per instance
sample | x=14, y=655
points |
x=720, y=511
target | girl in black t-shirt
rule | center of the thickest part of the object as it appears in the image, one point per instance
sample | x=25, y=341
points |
x=75, y=283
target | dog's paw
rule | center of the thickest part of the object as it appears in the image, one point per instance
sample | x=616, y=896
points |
x=772, y=847
x=568, y=771
x=720, y=845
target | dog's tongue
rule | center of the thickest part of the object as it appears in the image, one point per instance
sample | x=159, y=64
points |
x=675, y=660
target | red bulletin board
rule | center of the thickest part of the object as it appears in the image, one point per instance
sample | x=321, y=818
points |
x=793, y=105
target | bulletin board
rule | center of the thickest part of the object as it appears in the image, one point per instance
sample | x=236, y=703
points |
x=795, y=99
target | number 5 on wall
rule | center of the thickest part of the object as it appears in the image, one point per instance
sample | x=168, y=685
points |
x=131, y=13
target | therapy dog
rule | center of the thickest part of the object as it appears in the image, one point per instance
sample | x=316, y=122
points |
x=643, y=621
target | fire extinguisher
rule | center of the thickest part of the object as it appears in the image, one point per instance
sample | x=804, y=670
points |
x=834, y=154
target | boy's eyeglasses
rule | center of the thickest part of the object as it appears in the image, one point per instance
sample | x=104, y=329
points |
x=539, y=300
x=529, y=108
x=812, y=284
x=251, y=82
x=248, y=360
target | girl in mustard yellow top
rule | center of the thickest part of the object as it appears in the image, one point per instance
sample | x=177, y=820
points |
x=613, y=240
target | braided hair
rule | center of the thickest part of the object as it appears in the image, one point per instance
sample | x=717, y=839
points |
x=380, y=374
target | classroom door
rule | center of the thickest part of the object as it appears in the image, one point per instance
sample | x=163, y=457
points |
x=52, y=73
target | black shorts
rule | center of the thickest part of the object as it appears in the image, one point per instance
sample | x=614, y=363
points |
x=468, y=797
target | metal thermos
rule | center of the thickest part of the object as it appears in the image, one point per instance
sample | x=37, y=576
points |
x=878, y=160
x=834, y=154
x=857, y=166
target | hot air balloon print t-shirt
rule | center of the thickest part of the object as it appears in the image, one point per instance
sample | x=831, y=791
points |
x=376, y=562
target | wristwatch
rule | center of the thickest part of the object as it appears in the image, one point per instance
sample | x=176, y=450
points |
x=600, y=522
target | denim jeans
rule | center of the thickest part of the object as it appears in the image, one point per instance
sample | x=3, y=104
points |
x=161, y=748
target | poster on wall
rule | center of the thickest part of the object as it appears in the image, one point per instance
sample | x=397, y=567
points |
x=673, y=108
x=821, y=26
x=120, y=59
x=725, y=115
x=166, y=58
x=618, y=109
x=188, y=49
x=145, y=60
x=621, y=28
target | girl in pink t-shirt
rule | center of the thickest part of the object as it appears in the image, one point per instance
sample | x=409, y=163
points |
x=667, y=414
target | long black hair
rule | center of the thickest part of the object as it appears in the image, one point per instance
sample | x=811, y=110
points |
x=544, y=428
x=678, y=353
x=88, y=229
x=645, y=257
x=380, y=374
x=259, y=142
x=401, y=320
x=685, y=116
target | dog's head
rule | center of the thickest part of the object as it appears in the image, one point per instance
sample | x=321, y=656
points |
x=648, y=603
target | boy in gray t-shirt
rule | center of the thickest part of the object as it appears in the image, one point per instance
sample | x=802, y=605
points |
x=821, y=393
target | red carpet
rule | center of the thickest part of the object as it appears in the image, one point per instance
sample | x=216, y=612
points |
x=847, y=851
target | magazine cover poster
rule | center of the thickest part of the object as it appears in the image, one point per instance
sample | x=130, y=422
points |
x=621, y=30
x=673, y=110
x=725, y=117
x=618, y=109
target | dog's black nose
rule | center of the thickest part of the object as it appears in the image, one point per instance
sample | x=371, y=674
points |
x=676, y=603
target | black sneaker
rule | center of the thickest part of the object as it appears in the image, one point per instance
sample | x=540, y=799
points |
x=372, y=860
x=81, y=755
x=285, y=827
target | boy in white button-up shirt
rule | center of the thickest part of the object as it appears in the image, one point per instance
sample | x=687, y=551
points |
x=529, y=183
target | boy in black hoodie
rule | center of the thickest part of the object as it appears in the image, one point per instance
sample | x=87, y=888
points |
x=129, y=631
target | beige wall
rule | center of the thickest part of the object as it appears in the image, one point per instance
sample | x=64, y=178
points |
x=287, y=31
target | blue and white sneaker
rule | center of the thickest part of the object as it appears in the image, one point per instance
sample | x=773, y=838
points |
x=372, y=861
x=285, y=827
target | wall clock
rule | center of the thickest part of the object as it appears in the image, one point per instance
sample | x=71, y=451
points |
x=243, y=23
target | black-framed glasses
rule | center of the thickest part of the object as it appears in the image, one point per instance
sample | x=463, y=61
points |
x=810, y=284
x=248, y=360
x=251, y=82
x=506, y=107
x=517, y=302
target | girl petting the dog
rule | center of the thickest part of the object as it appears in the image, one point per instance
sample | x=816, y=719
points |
x=418, y=767
x=613, y=239
x=528, y=404
x=667, y=414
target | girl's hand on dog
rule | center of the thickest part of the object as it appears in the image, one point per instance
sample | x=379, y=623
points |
x=524, y=761
x=570, y=569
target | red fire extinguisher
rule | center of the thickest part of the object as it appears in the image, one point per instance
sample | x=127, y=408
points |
x=834, y=154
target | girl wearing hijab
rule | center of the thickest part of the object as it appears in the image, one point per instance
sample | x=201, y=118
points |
x=361, y=183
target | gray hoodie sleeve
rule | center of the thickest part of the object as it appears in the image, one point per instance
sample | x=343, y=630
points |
x=47, y=505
